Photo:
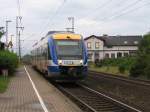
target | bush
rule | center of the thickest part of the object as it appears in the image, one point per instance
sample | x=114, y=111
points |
x=98, y=63
x=142, y=66
x=147, y=71
x=138, y=67
x=122, y=68
x=8, y=61
x=124, y=62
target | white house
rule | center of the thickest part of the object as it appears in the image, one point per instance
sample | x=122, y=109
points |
x=100, y=47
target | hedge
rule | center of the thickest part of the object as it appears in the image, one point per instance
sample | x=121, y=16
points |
x=8, y=60
x=124, y=62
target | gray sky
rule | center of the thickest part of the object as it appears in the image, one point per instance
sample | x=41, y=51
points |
x=112, y=17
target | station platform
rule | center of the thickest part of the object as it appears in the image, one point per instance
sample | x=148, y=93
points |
x=30, y=92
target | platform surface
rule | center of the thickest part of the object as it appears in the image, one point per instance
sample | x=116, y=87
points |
x=21, y=96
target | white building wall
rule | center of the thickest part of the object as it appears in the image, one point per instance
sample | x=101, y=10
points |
x=103, y=50
x=101, y=55
x=93, y=48
x=121, y=48
x=115, y=53
x=93, y=41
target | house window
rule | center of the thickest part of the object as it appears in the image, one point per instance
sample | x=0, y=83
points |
x=89, y=55
x=112, y=55
x=125, y=42
x=96, y=45
x=135, y=42
x=126, y=54
x=96, y=55
x=89, y=45
x=119, y=54
x=107, y=55
x=132, y=53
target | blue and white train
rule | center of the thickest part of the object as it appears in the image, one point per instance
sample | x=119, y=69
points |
x=61, y=56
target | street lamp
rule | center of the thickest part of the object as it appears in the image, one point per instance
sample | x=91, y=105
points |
x=7, y=21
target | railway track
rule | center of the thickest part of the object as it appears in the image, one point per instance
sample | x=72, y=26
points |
x=90, y=100
x=121, y=78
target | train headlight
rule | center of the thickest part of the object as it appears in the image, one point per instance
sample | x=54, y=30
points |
x=59, y=62
x=81, y=62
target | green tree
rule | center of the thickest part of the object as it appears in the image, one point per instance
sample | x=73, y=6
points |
x=142, y=64
x=1, y=32
x=8, y=60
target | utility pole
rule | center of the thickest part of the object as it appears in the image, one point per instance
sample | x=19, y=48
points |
x=18, y=41
x=72, y=22
x=17, y=34
x=11, y=40
x=7, y=21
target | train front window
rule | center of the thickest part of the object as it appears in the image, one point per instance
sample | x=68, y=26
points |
x=69, y=49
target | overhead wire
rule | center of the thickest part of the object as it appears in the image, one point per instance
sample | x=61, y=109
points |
x=126, y=8
x=117, y=14
x=128, y=11
x=103, y=5
x=120, y=11
x=132, y=10
x=49, y=19
x=106, y=3
x=117, y=5
x=53, y=16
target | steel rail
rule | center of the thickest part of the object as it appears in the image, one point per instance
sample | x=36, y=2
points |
x=114, y=100
x=106, y=103
x=129, y=80
x=89, y=107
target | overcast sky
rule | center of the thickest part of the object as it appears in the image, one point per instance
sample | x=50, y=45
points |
x=112, y=17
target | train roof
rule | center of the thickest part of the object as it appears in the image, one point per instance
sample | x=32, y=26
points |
x=53, y=32
x=63, y=35
x=67, y=36
x=58, y=35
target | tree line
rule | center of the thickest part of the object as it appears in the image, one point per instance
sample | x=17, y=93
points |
x=8, y=60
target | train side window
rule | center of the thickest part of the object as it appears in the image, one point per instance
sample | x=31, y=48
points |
x=45, y=53
x=49, y=55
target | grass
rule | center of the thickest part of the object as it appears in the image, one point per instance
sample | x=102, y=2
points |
x=108, y=69
x=3, y=83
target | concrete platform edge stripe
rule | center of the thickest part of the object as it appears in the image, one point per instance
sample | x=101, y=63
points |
x=36, y=91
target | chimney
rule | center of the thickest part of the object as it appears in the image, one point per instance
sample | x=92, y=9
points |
x=105, y=35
